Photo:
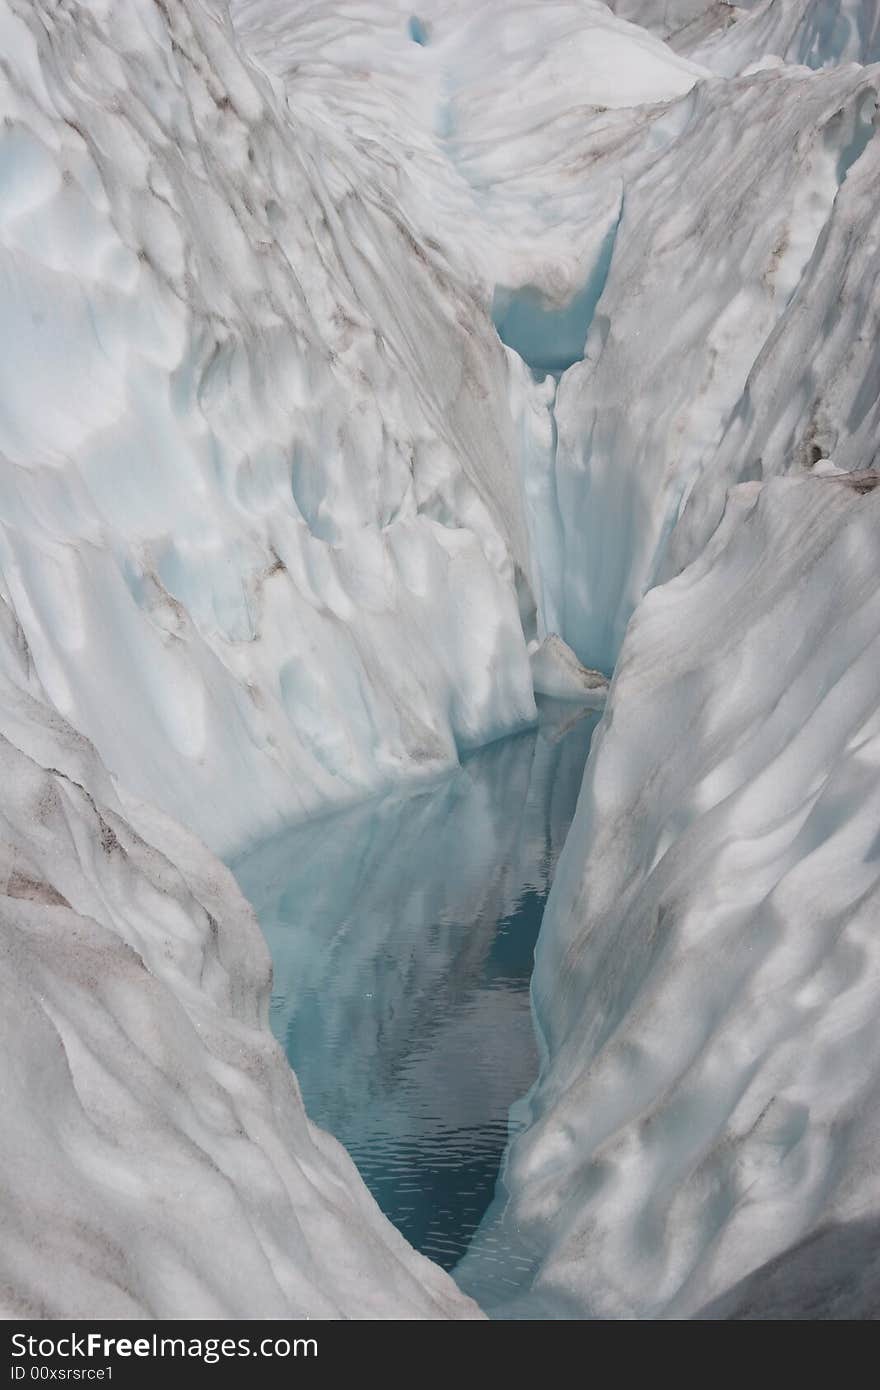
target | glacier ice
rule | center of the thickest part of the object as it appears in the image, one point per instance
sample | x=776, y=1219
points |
x=260, y=524
x=156, y=1158
x=815, y=33
x=707, y=972
x=557, y=672
x=728, y=36
x=268, y=515
x=374, y=369
x=705, y=293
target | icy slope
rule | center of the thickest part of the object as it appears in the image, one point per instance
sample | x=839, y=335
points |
x=510, y=159
x=261, y=521
x=672, y=18
x=727, y=36
x=692, y=1123
x=812, y=399
x=728, y=242
x=708, y=971
x=606, y=209
x=279, y=523
x=155, y=1160
x=818, y=33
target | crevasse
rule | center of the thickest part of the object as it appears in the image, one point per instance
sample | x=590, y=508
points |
x=284, y=522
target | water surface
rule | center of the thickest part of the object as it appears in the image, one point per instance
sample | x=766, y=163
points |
x=402, y=933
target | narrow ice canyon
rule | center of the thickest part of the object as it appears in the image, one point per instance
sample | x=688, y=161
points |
x=424, y=430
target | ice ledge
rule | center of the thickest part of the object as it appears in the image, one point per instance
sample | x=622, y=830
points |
x=556, y=671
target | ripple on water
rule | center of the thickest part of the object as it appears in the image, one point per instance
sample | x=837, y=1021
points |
x=402, y=934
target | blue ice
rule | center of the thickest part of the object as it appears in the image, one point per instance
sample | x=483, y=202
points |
x=548, y=339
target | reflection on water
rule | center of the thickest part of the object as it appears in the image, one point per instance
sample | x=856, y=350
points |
x=402, y=934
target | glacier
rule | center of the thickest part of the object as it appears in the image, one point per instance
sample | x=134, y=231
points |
x=372, y=374
x=707, y=971
x=156, y=1156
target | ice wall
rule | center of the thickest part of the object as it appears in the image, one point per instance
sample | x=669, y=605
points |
x=155, y=1157
x=728, y=241
x=516, y=154
x=817, y=33
x=707, y=973
x=261, y=522
x=728, y=35
x=702, y=1131
x=279, y=522
x=639, y=228
x=671, y=19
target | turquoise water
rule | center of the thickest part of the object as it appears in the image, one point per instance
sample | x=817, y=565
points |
x=402, y=933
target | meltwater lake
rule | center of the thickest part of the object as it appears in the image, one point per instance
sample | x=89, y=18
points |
x=402, y=933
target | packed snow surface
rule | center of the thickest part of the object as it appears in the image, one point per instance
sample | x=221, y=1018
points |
x=367, y=370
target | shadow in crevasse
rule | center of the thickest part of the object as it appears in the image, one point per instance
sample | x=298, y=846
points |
x=832, y=1275
x=402, y=934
